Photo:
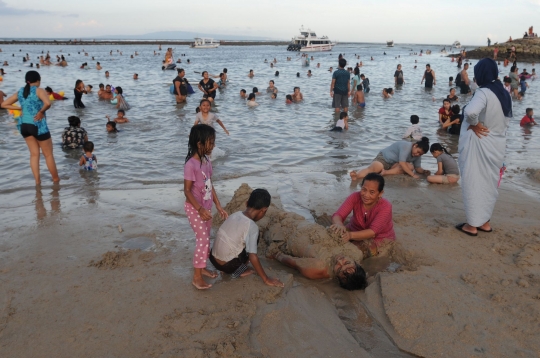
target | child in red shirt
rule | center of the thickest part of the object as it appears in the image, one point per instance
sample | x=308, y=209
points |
x=528, y=119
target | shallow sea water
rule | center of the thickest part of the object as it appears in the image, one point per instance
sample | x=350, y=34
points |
x=273, y=139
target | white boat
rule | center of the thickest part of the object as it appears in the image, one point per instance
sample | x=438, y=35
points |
x=203, y=42
x=308, y=41
x=456, y=44
x=390, y=43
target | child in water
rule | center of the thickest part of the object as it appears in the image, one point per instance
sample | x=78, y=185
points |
x=88, y=159
x=359, y=97
x=528, y=119
x=243, y=94
x=236, y=240
x=365, y=83
x=342, y=123
x=251, y=100
x=111, y=127
x=204, y=116
x=288, y=99
x=74, y=136
x=447, y=171
x=413, y=133
x=297, y=95
x=387, y=92
x=120, y=117
x=55, y=95
x=200, y=194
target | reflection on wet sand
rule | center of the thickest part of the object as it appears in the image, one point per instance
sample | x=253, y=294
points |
x=41, y=211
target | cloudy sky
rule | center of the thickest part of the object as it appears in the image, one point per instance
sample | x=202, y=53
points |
x=412, y=21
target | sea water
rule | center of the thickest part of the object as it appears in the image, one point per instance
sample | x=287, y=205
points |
x=272, y=140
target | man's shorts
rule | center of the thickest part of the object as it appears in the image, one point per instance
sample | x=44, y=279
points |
x=340, y=101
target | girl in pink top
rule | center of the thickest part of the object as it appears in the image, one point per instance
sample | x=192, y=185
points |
x=200, y=194
x=371, y=226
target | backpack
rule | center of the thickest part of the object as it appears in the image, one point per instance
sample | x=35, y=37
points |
x=458, y=80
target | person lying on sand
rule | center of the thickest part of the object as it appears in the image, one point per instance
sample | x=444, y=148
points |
x=371, y=230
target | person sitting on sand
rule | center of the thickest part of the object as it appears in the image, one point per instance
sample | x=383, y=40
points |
x=447, y=168
x=402, y=157
x=120, y=117
x=445, y=112
x=452, y=97
x=237, y=238
x=297, y=95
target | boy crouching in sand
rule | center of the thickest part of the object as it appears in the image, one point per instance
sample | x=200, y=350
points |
x=236, y=240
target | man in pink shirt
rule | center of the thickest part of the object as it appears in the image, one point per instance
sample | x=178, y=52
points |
x=371, y=227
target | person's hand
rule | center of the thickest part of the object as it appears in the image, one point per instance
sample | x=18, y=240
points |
x=226, y=131
x=427, y=172
x=338, y=228
x=39, y=116
x=479, y=130
x=222, y=213
x=331, y=94
x=275, y=282
x=205, y=214
x=434, y=83
x=346, y=236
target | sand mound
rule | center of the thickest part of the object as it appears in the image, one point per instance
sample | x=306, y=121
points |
x=116, y=259
x=534, y=174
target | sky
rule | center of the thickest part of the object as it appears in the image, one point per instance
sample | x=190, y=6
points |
x=411, y=21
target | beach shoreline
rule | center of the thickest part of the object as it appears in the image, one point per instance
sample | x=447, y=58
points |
x=75, y=282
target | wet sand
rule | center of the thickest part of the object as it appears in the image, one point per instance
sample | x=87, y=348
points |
x=454, y=295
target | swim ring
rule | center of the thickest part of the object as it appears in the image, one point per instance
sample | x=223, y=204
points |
x=51, y=97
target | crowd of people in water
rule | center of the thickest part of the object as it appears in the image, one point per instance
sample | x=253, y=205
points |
x=481, y=125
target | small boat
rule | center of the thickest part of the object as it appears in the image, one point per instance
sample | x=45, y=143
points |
x=390, y=43
x=456, y=44
x=203, y=42
x=308, y=41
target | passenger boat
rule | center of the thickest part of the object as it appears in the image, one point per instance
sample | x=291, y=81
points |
x=308, y=41
x=456, y=44
x=390, y=43
x=202, y=42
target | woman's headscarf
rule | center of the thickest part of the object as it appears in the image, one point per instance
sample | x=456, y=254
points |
x=486, y=72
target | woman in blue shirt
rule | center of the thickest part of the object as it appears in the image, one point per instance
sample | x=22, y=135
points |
x=32, y=123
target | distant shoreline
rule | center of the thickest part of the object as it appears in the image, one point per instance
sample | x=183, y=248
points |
x=67, y=42
x=136, y=42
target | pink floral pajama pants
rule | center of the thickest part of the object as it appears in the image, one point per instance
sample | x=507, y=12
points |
x=202, y=236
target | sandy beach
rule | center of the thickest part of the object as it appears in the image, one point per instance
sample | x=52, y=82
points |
x=119, y=284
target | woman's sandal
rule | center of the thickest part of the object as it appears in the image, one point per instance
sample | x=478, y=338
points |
x=460, y=228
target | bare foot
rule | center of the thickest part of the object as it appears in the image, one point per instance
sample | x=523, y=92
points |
x=208, y=273
x=200, y=283
x=354, y=175
x=247, y=272
x=382, y=172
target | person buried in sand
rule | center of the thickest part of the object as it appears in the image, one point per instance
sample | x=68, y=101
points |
x=311, y=250
x=236, y=240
